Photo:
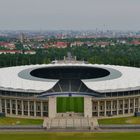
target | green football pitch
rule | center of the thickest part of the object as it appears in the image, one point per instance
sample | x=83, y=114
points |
x=70, y=104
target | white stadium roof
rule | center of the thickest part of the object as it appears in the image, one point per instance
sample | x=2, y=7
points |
x=128, y=80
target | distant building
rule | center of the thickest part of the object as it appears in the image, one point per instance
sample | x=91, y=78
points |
x=61, y=45
x=10, y=52
x=56, y=45
x=102, y=44
x=17, y=52
x=39, y=38
x=135, y=42
x=6, y=45
x=30, y=52
x=76, y=43
x=22, y=37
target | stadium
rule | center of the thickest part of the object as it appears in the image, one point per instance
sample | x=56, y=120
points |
x=69, y=89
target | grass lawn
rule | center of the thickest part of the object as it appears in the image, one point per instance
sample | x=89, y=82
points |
x=125, y=120
x=69, y=136
x=20, y=121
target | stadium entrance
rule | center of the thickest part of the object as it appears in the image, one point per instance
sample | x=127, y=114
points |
x=70, y=106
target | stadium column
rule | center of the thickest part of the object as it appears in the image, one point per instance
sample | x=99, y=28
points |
x=105, y=108
x=41, y=109
x=111, y=107
x=52, y=107
x=0, y=106
x=123, y=106
x=134, y=105
x=34, y=108
x=98, y=112
x=129, y=106
x=16, y=107
x=22, y=108
x=139, y=104
x=28, y=108
x=117, y=106
x=5, y=107
x=87, y=107
x=10, y=107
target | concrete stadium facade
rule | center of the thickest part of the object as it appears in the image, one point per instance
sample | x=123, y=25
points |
x=32, y=91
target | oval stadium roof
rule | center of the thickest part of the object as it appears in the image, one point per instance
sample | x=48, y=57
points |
x=121, y=78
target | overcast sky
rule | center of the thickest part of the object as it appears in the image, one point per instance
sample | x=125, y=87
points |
x=70, y=14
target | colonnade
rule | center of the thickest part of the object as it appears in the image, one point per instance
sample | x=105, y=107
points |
x=93, y=107
x=115, y=106
x=21, y=107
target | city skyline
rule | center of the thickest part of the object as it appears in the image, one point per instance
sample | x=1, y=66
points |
x=69, y=15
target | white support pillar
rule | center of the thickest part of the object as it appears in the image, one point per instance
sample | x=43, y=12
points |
x=34, y=108
x=87, y=106
x=22, y=108
x=139, y=104
x=10, y=107
x=28, y=108
x=0, y=105
x=41, y=109
x=104, y=108
x=5, y=107
x=129, y=106
x=111, y=106
x=134, y=105
x=123, y=107
x=16, y=107
x=52, y=107
x=98, y=104
x=117, y=107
